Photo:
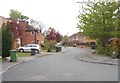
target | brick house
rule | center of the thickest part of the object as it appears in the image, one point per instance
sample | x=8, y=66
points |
x=79, y=38
x=30, y=35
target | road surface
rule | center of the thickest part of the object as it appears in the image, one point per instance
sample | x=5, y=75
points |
x=62, y=66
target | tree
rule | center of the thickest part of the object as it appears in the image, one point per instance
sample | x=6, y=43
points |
x=38, y=25
x=14, y=14
x=7, y=40
x=98, y=21
x=53, y=35
x=51, y=38
x=65, y=40
x=16, y=29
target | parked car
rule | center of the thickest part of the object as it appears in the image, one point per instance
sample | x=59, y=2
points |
x=58, y=47
x=28, y=47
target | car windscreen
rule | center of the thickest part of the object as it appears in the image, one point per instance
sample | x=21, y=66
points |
x=28, y=46
x=34, y=45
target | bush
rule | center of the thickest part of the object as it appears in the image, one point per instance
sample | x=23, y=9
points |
x=88, y=43
x=112, y=47
x=100, y=50
x=49, y=45
x=7, y=40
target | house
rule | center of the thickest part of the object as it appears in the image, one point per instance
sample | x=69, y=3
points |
x=79, y=38
x=3, y=20
x=30, y=35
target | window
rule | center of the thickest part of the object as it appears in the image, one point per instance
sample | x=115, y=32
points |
x=28, y=46
x=33, y=42
x=32, y=33
x=34, y=45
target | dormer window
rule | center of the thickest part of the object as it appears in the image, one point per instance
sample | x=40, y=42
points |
x=32, y=33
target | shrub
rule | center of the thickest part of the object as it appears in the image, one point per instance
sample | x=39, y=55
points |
x=100, y=49
x=112, y=46
x=49, y=45
x=88, y=43
x=7, y=40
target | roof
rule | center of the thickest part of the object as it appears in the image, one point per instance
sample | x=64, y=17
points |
x=2, y=17
x=30, y=28
x=76, y=34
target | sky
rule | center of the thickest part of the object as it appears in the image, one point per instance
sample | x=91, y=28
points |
x=58, y=14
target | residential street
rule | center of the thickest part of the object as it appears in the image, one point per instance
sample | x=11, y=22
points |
x=62, y=66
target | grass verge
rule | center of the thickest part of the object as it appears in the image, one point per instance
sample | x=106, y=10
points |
x=19, y=54
x=46, y=50
x=1, y=59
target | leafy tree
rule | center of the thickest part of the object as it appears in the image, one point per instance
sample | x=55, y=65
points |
x=7, y=40
x=16, y=29
x=99, y=21
x=65, y=40
x=14, y=14
x=53, y=35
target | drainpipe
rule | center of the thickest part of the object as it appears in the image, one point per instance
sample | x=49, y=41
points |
x=35, y=37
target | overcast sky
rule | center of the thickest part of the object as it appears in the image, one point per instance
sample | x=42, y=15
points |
x=59, y=14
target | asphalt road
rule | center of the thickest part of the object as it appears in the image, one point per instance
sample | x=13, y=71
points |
x=62, y=66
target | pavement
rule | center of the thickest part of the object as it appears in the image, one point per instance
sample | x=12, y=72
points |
x=99, y=59
x=6, y=65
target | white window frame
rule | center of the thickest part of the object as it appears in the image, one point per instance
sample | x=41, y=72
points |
x=32, y=33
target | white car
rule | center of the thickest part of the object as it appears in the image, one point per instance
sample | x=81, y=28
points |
x=28, y=47
x=58, y=45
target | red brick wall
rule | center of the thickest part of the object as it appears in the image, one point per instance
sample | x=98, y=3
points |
x=27, y=38
x=39, y=37
x=22, y=24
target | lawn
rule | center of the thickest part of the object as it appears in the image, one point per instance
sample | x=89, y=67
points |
x=46, y=50
x=1, y=60
x=19, y=54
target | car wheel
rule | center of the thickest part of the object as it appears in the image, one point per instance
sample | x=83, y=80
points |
x=21, y=50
